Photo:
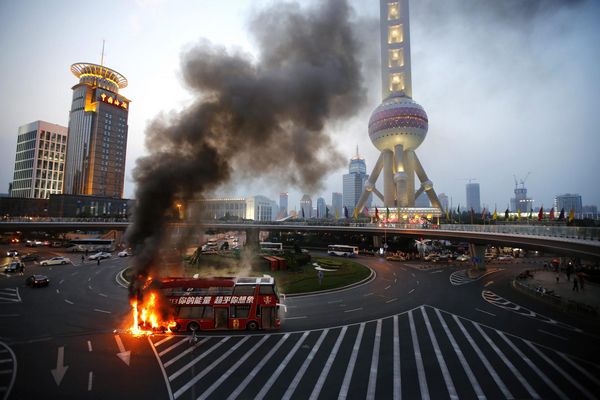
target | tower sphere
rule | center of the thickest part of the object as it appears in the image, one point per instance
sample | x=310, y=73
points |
x=398, y=120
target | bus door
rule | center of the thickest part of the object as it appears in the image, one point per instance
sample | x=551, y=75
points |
x=222, y=317
x=268, y=317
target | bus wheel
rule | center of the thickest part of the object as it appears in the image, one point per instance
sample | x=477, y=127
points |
x=193, y=326
x=252, y=326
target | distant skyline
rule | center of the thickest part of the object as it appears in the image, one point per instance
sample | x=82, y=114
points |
x=509, y=87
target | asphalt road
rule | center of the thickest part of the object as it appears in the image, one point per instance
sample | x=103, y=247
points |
x=408, y=333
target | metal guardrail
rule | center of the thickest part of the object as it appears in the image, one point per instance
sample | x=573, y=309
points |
x=567, y=232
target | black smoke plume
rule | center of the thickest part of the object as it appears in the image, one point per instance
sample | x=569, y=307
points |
x=250, y=117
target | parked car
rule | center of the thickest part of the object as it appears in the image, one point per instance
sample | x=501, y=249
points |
x=505, y=257
x=124, y=253
x=56, y=261
x=100, y=255
x=12, y=253
x=37, y=281
x=30, y=257
x=15, y=266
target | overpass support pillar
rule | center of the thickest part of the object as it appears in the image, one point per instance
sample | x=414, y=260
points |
x=477, y=252
x=252, y=240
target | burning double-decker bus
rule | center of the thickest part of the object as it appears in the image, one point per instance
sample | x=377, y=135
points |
x=190, y=304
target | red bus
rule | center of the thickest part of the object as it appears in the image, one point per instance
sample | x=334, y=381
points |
x=223, y=303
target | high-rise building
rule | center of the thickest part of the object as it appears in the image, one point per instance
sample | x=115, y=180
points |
x=98, y=127
x=354, y=183
x=589, y=212
x=321, y=207
x=283, y=204
x=337, y=205
x=569, y=202
x=473, y=199
x=306, y=207
x=521, y=202
x=444, y=201
x=257, y=208
x=40, y=160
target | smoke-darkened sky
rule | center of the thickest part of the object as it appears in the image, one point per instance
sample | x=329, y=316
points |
x=509, y=86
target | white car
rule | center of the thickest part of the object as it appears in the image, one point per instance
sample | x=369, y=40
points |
x=463, y=257
x=56, y=261
x=124, y=253
x=505, y=257
x=100, y=255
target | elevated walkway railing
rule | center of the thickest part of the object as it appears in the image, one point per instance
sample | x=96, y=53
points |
x=567, y=232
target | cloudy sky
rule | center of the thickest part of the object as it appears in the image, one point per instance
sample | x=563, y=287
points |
x=510, y=86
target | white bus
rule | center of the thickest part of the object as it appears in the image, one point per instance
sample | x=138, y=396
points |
x=342, y=250
x=92, y=245
x=272, y=248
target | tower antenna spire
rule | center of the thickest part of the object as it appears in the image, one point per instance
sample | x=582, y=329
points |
x=357, y=156
x=102, y=56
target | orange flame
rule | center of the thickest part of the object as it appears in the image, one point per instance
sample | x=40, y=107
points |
x=146, y=318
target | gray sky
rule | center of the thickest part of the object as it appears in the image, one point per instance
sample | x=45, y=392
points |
x=510, y=87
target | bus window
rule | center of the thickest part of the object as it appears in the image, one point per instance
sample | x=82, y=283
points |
x=240, y=311
x=190, y=312
x=208, y=312
x=266, y=289
x=244, y=290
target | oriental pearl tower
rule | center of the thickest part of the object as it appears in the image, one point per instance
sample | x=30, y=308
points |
x=398, y=125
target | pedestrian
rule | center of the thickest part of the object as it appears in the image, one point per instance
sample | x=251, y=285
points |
x=545, y=266
x=575, y=284
x=557, y=277
x=98, y=261
x=320, y=275
x=82, y=258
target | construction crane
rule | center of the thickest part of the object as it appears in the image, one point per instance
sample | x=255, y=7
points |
x=522, y=181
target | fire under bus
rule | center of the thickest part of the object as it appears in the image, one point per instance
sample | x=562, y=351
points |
x=222, y=303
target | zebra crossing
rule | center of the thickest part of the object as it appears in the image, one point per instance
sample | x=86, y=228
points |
x=9, y=295
x=461, y=277
x=422, y=353
x=8, y=370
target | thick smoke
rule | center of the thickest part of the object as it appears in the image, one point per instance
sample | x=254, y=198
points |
x=251, y=118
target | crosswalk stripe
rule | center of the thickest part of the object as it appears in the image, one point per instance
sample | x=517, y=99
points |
x=195, y=360
x=578, y=367
x=397, y=376
x=325, y=371
x=461, y=358
x=508, y=363
x=206, y=370
x=507, y=394
x=534, y=367
x=232, y=369
x=257, y=368
x=374, y=363
x=166, y=339
x=440, y=357
x=174, y=346
x=350, y=368
x=418, y=358
x=292, y=387
x=562, y=371
x=267, y=386
x=186, y=352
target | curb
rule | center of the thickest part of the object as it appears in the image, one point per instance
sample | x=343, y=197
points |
x=120, y=279
x=369, y=278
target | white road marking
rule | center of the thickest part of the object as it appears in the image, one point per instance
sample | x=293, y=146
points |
x=350, y=369
x=374, y=363
x=413, y=274
x=325, y=371
x=195, y=360
x=418, y=358
x=582, y=370
x=302, y=317
x=184, y=353
x=440, y=357
x=412, y=290
x=162, y=369
x=369, y=294
x=485, y=312
x=418, y=282
x=552, y=334
x=165, y=340
x=57, y=291
x=488, y=283
x=257, y=368
x=90, y=378
x=334, y=301
x=397, y=382
x=172, y=347
x=102, y=294
x=61, y=281
x=391, y=300
x=90, y=287
x=89, y=345
x=102, y=311
x=302, y=370
x=437, y=271
x=387, y=287
x=461, y=357
x=69, y=301
x=354, y=309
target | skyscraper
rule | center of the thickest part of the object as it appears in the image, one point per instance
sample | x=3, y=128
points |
x=473, y=199
x=97, y=132
x=354, y=182
x=39, y=160
x=321, y=206
x=337, y=204
x=569, y=202
x=443, y=201
x=305, y=206
x=283, y=204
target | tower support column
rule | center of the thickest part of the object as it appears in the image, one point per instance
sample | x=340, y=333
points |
x=389, y=190
x=400, y=176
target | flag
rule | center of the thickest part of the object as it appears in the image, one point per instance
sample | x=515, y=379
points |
x=326, y=212
x=302, y=208
x=345, y=212
x=458, y=210
x=366, y=212
x=387, y=213
x=376, y=214
x=337, y=213
x=530, y=213
x=495, y=215
x=506, y=214
x=552, y=214
x=562, y=214
x=571, y=215
x=519, y=214
x=317, y=212
x=447, y=214
x=483, y=213
x=541, y=213
x=355, y=213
